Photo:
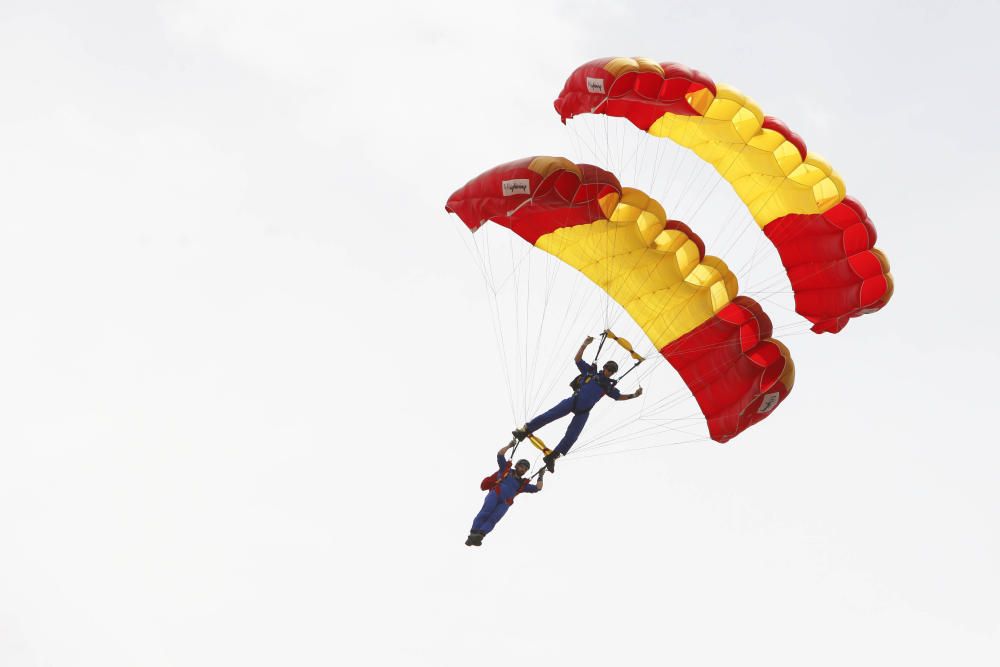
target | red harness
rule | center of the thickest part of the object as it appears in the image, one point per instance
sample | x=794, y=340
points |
x=492, y=483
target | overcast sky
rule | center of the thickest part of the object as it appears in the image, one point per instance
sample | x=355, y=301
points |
x=249, y=379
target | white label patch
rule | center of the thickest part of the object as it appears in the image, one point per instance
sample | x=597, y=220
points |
x=516, y=186
x=770, y=402
x=595, y=85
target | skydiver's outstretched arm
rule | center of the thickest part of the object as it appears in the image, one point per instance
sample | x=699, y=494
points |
x=629, y=397
x=579, y=353
x=503, y=450
x=541, y=480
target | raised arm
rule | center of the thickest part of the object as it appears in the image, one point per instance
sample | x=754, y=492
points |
x=503, y=450
x=579, y=353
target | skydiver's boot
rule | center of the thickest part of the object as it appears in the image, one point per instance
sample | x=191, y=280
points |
x=550, y=461
x=475, y=539
x=519, y=433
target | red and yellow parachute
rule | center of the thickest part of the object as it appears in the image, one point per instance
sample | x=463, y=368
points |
x=685, y=301
x=825, y=238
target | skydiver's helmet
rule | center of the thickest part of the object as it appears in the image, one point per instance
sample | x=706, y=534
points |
x=523, y=463
x=612, y=366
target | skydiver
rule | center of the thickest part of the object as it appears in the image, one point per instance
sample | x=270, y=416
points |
x=593, y=385
x=509, y=481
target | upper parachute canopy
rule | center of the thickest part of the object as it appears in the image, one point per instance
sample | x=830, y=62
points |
x=825, y=238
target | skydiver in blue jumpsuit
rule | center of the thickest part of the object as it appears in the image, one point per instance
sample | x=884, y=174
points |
x=510, y=482
x=594, y=385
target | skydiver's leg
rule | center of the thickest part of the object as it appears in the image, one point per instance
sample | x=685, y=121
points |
x=489, y=506
x=572, y=433
x=491, y=521
x=561, y=409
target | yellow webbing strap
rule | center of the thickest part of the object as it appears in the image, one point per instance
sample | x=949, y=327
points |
x=627, y=346
x=537, y=442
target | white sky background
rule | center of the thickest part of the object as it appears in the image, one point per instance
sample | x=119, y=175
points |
x=249, y=385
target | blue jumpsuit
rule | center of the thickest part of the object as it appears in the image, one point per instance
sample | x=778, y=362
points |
x=580, y=403
x=495, y=505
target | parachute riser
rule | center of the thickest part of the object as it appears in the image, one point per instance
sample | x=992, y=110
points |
x=629, y=370
x=604, y=337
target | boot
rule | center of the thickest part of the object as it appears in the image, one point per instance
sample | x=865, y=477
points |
x=550, y=461
x=519, y=433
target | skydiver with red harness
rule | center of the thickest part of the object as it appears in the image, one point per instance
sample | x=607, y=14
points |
x=503, y=485
x=588, y=388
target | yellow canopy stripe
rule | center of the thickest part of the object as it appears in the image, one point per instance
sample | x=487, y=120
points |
x=764, y=168
x=656, y=274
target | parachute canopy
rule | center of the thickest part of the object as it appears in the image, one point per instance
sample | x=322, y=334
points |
x=825, y=238
x=685, y=301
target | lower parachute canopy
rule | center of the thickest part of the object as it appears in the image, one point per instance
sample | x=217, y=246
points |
x=655, y=268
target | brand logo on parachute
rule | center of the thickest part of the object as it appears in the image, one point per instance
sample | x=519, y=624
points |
x=516, y=186
x=595, y=85
x=769, y=402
